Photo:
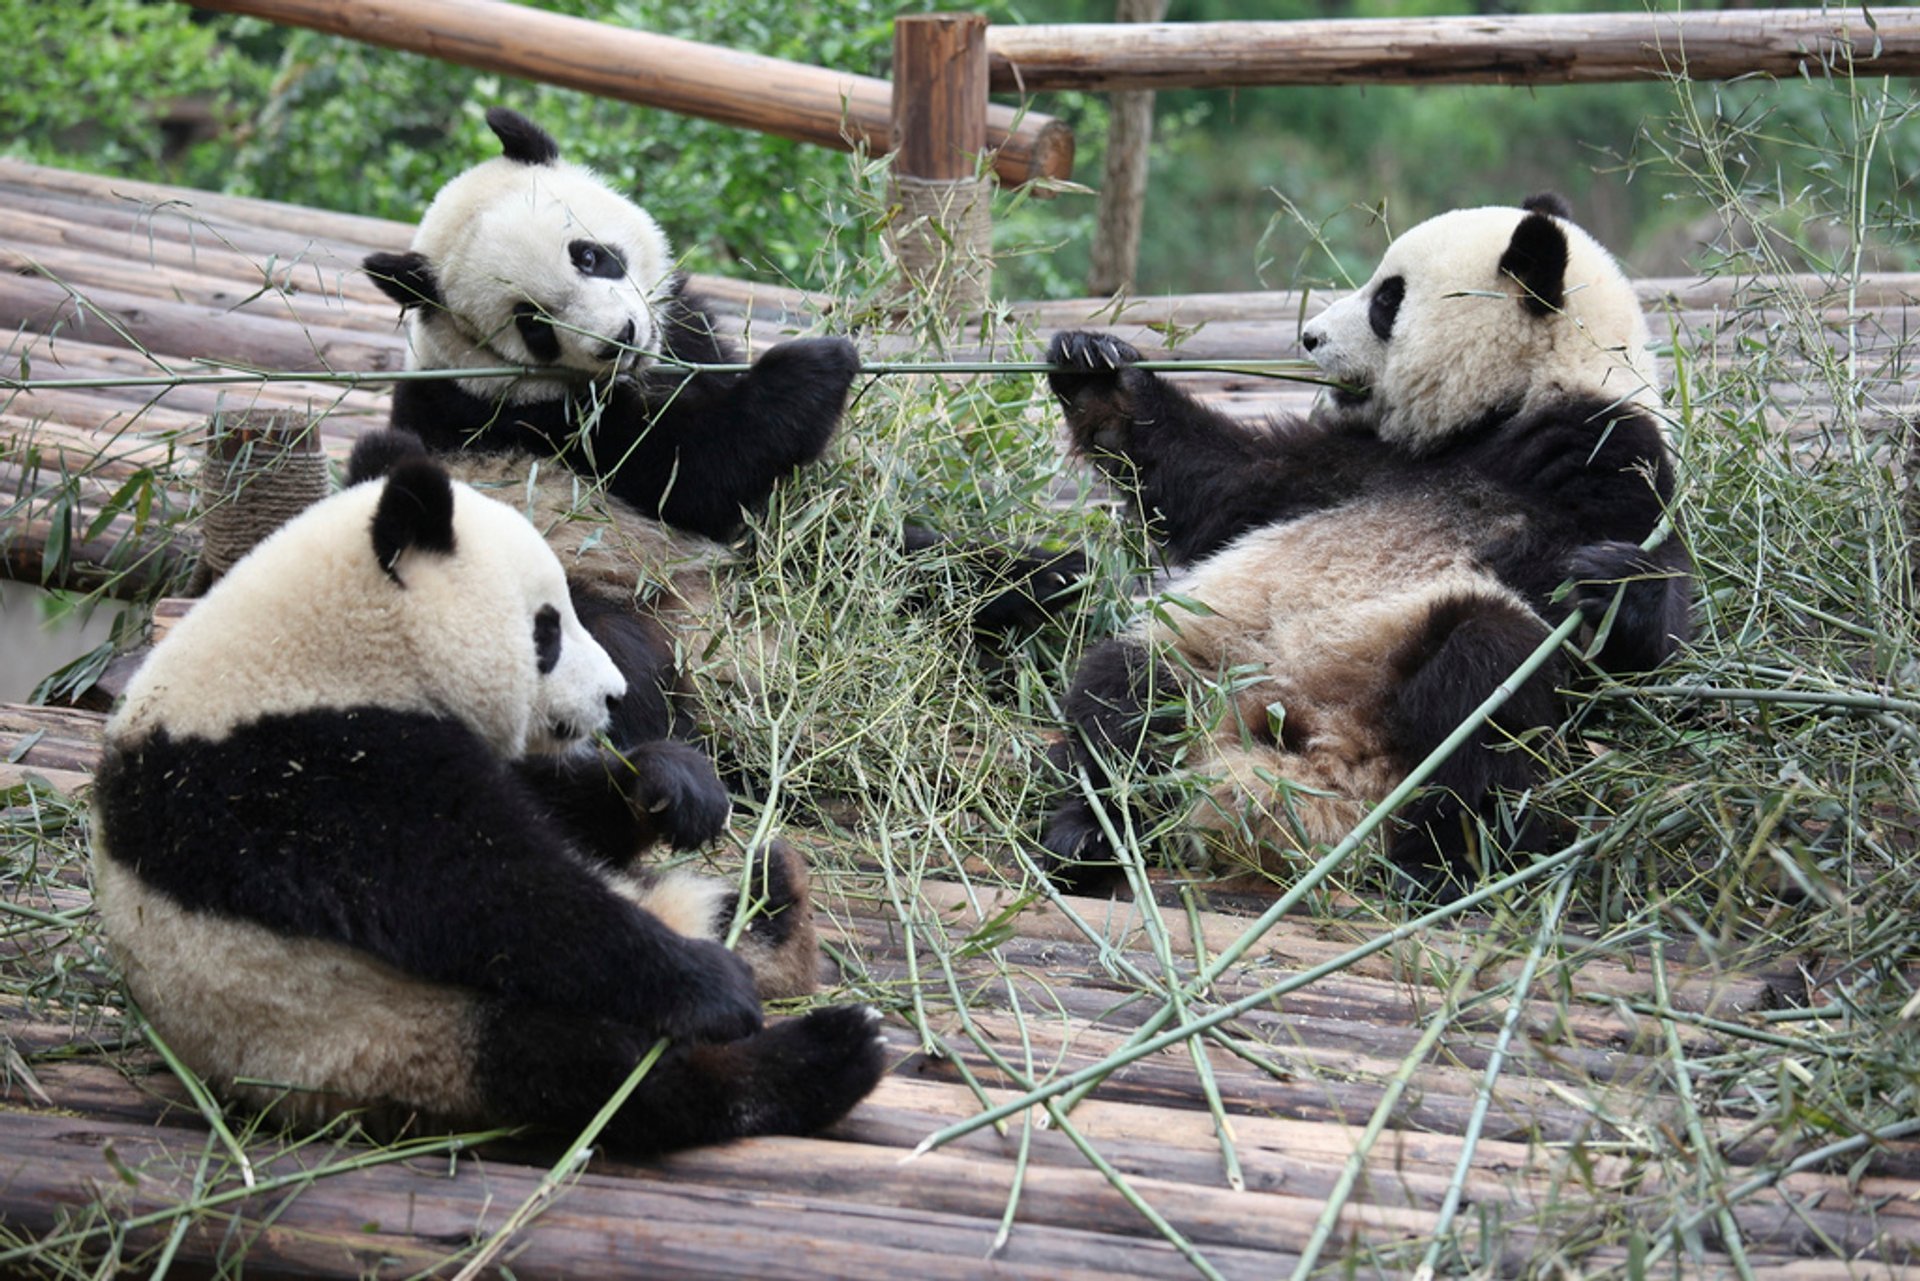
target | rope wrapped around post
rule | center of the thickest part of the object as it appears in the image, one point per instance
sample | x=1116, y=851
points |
x=262, y=468
x=942, y=236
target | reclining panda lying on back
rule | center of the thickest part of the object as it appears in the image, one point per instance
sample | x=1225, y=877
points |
x=1367, y=576
x=351, y=842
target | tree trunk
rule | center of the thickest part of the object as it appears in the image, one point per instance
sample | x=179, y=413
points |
x=1123, y=189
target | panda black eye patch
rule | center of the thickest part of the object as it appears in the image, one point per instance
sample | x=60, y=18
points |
x=536, y=331
x=546, y=638
x=1385, y=307
x=590, y=258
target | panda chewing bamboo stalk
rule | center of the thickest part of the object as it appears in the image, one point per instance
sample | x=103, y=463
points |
x=356, y=851
x=1352, y=585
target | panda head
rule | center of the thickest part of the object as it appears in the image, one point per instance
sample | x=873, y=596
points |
x=406, y=591
x=1477, y=314
x=528, y=260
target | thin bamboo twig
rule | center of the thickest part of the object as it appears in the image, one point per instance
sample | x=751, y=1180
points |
x=1709, y=1167
x=570, y=1162
x=1134, y=1052
x=1383, y=1111
x=385, y=1156
x=202, y=1097
x=1496, y=1063
x=1284, y=370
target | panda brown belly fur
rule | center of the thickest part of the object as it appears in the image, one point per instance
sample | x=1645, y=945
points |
x=327, y=1028
x=1317, y=615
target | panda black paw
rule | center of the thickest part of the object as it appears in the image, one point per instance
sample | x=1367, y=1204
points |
x=805, y=382
x=1075, y=855
x=777, y=881
x=676, y=794
x=809, y=1072
x=714, y=995
x=1039, y=585
x=1651, y=620
x=1094, y=379
x=1083, y=359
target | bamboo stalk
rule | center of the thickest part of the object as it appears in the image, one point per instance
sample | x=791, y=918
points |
x=788, y=99
x=1512, y=49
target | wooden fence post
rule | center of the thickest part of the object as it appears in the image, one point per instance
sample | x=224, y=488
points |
x=942, y=229
x=1123, y=193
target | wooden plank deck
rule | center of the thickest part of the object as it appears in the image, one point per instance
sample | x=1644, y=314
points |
x=110, y=278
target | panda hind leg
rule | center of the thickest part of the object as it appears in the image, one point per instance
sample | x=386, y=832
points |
x=557, y=1069
x=1118, y=726
x=1449, y=664
x=779, y=944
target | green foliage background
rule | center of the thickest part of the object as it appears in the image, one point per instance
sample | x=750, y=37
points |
x=1278, y=186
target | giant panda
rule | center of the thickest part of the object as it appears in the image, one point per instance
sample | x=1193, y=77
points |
x=355, y=849
x=1348, y=586
x=637, y=472
x=528, y=260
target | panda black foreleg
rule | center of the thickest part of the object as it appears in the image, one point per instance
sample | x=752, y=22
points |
x=1201, y=478
x=555, y=1069
x=1464, y=648
x=717, y=444
x=616, y=804
x=1015, y=588
x=1119, y=717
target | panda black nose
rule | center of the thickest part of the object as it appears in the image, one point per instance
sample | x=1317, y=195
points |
x=613, y=704
x=1309, y=340
x=626, y=334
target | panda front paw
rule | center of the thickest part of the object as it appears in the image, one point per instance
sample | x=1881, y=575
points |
x=713, y=995
x=1094, y=378
x=1034, y=586
x=676, y=793
x=1651, y=621
x=807, y=380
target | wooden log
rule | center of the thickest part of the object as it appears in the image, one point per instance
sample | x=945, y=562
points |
x=1123, y=186
x=1510, y=49
x=177, y=328
x=419, y=1216
x=939, y=127
x=790, y=100
x=942, y=230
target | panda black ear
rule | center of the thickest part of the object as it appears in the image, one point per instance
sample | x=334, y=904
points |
x=521, y=139
x=379, y=452
x=406, y=278
x=1549, y=202
x=415, y=512
x=1537, y=258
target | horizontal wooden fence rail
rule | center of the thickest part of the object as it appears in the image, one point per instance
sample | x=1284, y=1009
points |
x=1544, y=49
x=789, y=99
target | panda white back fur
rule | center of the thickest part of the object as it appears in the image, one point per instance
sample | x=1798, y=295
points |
x=352, y=841
x=1367, y=576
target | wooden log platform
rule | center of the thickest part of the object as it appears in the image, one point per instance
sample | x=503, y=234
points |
x=101, y=1146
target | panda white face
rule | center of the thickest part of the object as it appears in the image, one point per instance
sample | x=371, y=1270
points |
x=405, y=593
x=1479, y=312
x=542, y=265
x=495, y=638
x=529, y=260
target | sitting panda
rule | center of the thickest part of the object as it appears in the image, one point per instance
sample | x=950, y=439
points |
x=354, y=850
x=1353, y=584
